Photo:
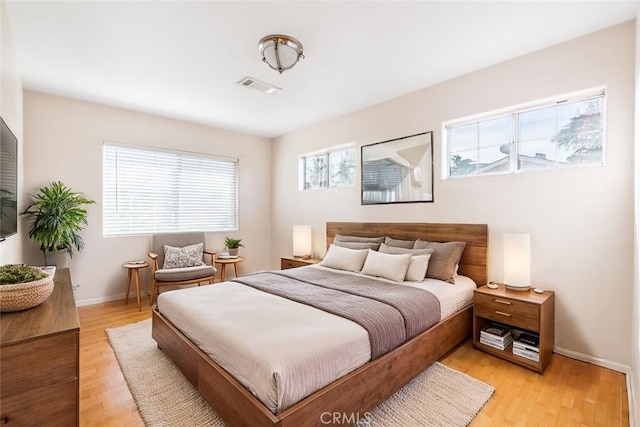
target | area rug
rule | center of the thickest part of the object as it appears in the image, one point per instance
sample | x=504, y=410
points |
x=439, y=396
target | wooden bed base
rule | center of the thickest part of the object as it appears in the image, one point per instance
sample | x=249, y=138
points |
x=347, y=399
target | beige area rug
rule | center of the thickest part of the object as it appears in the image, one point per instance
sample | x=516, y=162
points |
x=439, y=396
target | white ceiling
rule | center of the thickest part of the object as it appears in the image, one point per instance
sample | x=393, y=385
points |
x=182, y=59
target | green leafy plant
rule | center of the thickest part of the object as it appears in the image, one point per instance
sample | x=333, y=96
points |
x=11, y=274
x=231, y=243
x=57, y=217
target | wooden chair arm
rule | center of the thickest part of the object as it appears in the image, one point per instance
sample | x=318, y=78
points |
x=212, y=253
x=154, y=263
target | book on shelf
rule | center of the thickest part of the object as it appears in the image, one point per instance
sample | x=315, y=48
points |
x=518, y=344
x=497, y=329
x=500, y=345
x=527, y=354
x=498, y=340
x=526, y=340
x=497, y=333
x=529, y=339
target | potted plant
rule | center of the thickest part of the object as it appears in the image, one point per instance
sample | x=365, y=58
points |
x=23, y=287
x=232, y=245
x=57, y=217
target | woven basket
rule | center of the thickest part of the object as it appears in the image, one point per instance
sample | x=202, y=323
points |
x=22, y=296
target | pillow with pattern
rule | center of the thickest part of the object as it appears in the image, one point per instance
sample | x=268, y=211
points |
x=188, y=256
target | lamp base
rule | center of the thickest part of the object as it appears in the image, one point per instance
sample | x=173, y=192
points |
x=517, y=288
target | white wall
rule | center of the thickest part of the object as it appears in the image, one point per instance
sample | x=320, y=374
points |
x=11, y=112
x=579, y=219
x=63, y=141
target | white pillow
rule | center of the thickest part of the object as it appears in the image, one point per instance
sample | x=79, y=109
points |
x=344, y=258
x=418, y=266
x=389, y=266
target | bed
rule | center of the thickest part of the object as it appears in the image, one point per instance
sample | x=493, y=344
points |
x=365, y=386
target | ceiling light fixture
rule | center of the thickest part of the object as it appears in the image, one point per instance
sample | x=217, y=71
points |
x=280, y=52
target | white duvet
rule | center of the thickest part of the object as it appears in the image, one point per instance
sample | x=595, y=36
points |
x=281, y=350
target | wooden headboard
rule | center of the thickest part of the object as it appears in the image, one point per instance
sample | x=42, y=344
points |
x=474, y=258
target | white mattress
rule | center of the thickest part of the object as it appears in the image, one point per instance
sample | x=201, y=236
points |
x=280, y=350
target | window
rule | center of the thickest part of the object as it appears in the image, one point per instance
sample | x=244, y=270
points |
x=149, y=191
x=332, y=168
x=564, y=133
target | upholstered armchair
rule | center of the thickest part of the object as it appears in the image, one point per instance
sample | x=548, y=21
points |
x=178, y=259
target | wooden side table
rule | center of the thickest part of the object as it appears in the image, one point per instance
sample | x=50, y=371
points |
x=527, y=311
x=223, y=265
x=134, y=270
x=295, y=262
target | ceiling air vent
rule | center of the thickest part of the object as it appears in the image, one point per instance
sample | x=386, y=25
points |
x=258, y=85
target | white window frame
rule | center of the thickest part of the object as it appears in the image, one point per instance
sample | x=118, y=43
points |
x=130, y=219
x=326, y=152
x=513, y=112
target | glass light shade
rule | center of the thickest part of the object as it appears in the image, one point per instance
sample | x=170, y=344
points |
x=517, y=260
x=280, y=52
x=288, y=56
x=301, y=240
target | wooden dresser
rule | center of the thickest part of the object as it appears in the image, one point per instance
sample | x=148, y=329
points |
x=39, y=358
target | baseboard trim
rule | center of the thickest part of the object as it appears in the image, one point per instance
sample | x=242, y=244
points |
x=619, y=367
x=91, y=301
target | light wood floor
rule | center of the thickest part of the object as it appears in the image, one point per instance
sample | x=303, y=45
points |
x=569, y=393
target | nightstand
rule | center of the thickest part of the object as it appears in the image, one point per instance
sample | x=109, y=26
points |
x=527, y=311
x=295, y=262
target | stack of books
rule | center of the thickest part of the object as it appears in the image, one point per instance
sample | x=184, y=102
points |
x=496, y=335
x=527, y=345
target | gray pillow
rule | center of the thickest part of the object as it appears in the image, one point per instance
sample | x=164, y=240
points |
x=386, y=249
x=357, y=245
x=444, y=259
x=188, y=256
x=407, y=244
x=342, y=238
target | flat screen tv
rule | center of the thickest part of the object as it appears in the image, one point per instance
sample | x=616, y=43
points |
x=8, y=182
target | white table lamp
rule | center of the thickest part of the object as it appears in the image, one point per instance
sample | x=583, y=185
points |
x=302, y=241
x=517, y=261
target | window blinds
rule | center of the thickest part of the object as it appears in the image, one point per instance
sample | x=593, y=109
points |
x=149, y=191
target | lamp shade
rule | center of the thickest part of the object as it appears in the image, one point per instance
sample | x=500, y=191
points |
x=517, y=261
x=302, y=240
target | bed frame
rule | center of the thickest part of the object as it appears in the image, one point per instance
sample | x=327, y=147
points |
x=347, y=399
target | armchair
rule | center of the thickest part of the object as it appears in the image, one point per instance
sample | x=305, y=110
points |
x=178, y=276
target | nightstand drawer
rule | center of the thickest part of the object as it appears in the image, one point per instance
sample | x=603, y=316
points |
x=295, y=262
x=515, y=313
x=289, y=263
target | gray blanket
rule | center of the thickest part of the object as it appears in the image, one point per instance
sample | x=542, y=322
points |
x=390, y=313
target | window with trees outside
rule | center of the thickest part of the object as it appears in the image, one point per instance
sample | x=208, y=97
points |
x=151, y=190
x=332, y=168
x=565, y=133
